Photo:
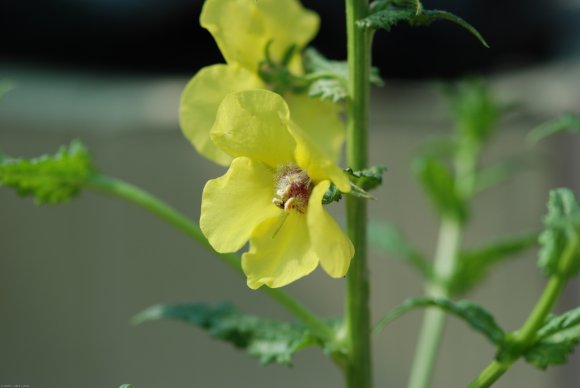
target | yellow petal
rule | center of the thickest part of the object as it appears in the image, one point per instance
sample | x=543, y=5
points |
x=314, y=161
x=280, y=252
x=253, y=123
x=320, y=121
x=235, y=203
x=242, y=28
x=200, y=100
x=332, y=246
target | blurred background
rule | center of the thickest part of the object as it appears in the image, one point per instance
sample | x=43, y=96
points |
x=110, y=72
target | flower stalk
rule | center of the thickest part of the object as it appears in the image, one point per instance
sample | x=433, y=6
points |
x=525, y=337
x=168, y=214
x=358, y=370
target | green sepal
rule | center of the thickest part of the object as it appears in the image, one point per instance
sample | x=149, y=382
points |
x=269, y=341
x=387, y=238
x=474, y=265
x=51, y=179
x=277, y=74
x=385, y=14
x=556, y=340
x=439, y=183
x=328, y=78
x=564, y=123
x=331, y=195
x=474, y=315
x=560, y=240
x=367, y=179
x=360, y=183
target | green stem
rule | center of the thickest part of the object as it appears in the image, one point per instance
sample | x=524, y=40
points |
x=445, y=263
x=450, y=235
x=526, y=336
x=147, y=201
x=357, y=320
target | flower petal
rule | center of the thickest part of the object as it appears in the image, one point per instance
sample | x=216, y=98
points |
x=320, y=121
x=280, y=252
x=332, y=246
x=242, y=28
x=200, y=101
x=314, y=161
x=253, y=123
x=235, y=203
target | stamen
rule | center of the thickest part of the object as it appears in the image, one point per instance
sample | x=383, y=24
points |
x=293, y=189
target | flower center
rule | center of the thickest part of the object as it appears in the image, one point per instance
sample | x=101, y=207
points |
x=293, y=188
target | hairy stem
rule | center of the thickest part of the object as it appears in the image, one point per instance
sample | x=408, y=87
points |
x=358, y=368
x=168, y=214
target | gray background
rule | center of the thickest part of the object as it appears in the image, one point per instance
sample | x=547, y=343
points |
x=71, y=276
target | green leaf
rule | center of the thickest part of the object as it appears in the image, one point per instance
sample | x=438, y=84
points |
x=474, y=110
x=474, y=265
x=269, y=341
x=556, y=340
x=564, y=123
x=474, y=315
x=560, y=252
x=491, y=176
x=387, y=238
x=439, y=184
x=387, y=13
x=329, y=79
x=51, y=179
x=126, y=386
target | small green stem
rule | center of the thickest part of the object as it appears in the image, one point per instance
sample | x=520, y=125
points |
x=357, y=314
x=147, y=201
x=526, y=336
x=450, y=235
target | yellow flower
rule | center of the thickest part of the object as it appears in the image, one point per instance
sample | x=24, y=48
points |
x=272, y=194
x=242, y=29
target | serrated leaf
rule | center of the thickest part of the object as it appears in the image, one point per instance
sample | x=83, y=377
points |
x=269, y=341
x=330, y=78
x=388, y=239
x=474, y=315
x=556, y=340
x=474, y=265
x=51, y=179
x=328, y=89
x=385, y=14
x=439, y=184
x=560, y=252
x=564, y=123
